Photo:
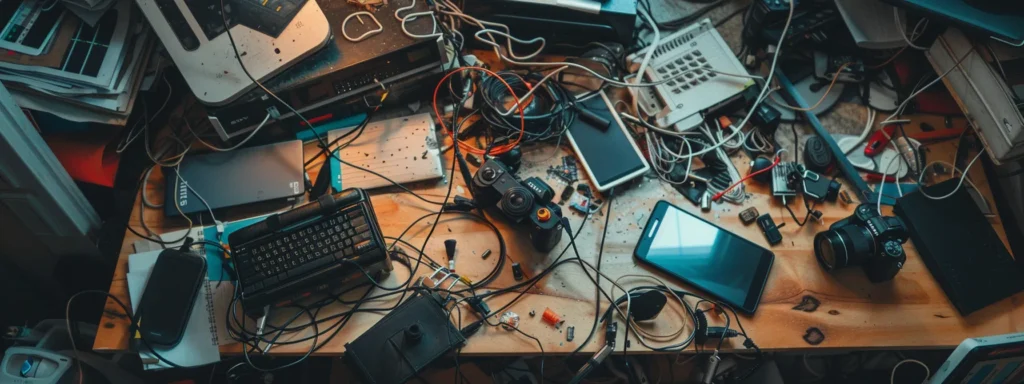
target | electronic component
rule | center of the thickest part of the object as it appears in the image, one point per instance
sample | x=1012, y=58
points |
x=759, y=164
x=527, y=202
x=562, y=23
x=171, y=292
x=647, y=305
x=817, y=156
x=517, y=272
x=819, y=188
x=270, y=36
x=566, y=194
x=567, y=172
x=767, y=119
x=749, y=215
x=977, y=359
x=960, y=247
x=509, y=320
x=404, y=341
x=705, y=202
x=326, y=243
x=737, y=275
x=551, y=317
x=610, y=157
x=764, y=13
x=485, y=254
x=449, y=249
x=339, y=80
x=570, y=333
x=771, y=232
x=271, y=172
x=867, y=239
x=782, y=185
x=695, y=52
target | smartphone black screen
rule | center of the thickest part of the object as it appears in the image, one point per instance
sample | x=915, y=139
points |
x=169, y=297
x=705, y=255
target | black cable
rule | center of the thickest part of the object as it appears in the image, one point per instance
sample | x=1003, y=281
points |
x=541, y=346
x=600, y=253
x=731, y=15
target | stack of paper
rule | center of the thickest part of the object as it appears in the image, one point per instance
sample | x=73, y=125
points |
x=80, y=72
x=203, y=334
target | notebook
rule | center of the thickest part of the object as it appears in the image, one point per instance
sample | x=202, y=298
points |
x=960, y=247
x=203, y=335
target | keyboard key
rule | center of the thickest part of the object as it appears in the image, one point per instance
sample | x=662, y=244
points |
x=359, y=221
x=348, y=252
x=679, y=61
x=354, y=213
x=364, y=247
x=270, y=281
x=363, y=228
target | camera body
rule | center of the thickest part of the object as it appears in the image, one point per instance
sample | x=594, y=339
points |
x=866, y=238
x=521, y=202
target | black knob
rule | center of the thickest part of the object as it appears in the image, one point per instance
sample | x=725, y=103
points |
x=413, y=334
x=488, y=174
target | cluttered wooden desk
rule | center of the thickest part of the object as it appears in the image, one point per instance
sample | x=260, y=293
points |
x=803, y=306
x=801, y=301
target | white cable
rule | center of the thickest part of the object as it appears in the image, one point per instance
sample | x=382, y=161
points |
x=958, y=185
x=927, y=371
x=903, y=105
x=903, y=32
x=145, y=184
x=865, y=133
x=433, y=28
x=885, y=174
x=655, y=42
x=241, y=143
x=177, y=175
x=365, y=35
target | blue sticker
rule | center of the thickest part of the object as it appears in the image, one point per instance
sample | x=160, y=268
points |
x=213, y=259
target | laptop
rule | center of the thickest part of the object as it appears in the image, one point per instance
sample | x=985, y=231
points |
x=270, y=172
x=270, y=35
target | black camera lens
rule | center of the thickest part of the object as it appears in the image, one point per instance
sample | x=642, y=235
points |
x=517, y=202
x=843, y=247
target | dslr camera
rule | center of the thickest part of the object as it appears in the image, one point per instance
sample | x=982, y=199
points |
x=867, y=239
x=527, y=201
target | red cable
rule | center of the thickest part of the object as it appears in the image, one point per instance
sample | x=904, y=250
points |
x=465, y=146
x=778, y=159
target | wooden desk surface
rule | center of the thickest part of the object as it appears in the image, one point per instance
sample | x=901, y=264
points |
x=909, y=312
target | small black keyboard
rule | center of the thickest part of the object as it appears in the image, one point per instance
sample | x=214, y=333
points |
x=319, y=243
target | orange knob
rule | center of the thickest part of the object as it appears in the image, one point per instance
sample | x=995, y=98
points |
x=543, y=215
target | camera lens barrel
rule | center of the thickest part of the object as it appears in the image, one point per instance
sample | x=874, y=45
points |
x=843, y=247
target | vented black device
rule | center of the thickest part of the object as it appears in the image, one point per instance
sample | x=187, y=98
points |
x=960, y=248
x=403, y=342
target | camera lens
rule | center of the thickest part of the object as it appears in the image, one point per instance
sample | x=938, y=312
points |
x=843, y=247
x=517, y=202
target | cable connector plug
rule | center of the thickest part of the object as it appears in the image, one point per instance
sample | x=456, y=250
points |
x=479, y=305
x=721, y=333
x=471, y=329
x=461, y=204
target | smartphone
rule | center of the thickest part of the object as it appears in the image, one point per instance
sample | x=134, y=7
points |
x=705, y=255
x=609, y=154
x=169, y=297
